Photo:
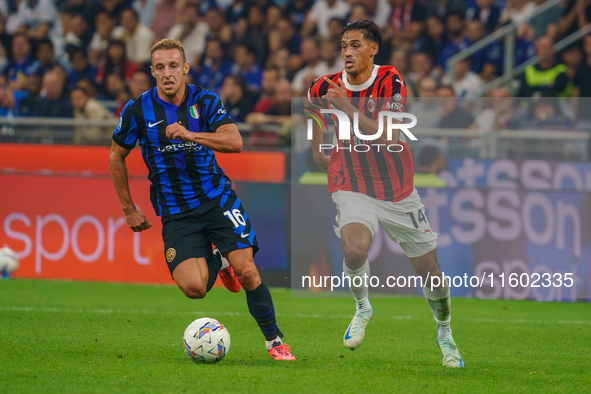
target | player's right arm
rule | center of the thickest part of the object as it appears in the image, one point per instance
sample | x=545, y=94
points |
x=317, y=133
x=123, y=141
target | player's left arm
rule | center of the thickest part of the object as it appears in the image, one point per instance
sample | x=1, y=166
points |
x=226, y=137
x=368, y=126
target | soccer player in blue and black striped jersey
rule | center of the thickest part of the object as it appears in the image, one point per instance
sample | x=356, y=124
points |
x=179, y=126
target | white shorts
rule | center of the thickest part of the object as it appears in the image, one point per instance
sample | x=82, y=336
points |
x=404, y=221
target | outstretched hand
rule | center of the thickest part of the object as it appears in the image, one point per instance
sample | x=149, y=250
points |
x=337, y=95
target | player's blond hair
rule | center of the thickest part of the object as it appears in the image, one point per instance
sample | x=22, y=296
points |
x=169, y=43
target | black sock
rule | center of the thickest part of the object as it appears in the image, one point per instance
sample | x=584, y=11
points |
x=213, y=267
x=261, y=308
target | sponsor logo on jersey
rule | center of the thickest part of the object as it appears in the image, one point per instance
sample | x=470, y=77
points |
x=180, y=146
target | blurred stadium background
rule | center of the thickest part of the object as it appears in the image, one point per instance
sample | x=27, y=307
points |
x=500, y=90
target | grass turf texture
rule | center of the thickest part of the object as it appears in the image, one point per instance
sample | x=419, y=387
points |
x=58, y=336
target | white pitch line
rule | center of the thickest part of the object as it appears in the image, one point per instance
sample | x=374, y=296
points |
x=296, y=315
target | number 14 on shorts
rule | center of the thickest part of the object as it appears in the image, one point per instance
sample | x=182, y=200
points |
x=420, y=217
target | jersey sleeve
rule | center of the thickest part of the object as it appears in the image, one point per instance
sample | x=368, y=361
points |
x=214, y=111
x=126, y=133
x=318, y=88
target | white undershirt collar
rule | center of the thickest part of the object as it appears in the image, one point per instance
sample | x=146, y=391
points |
x=363, y=86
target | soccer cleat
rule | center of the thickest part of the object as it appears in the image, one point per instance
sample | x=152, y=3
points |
x=450, y=353
x=281, y=352
x=226, y=273
x=356, y=330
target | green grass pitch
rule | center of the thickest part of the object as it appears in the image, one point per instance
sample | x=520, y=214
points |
x=77, y=337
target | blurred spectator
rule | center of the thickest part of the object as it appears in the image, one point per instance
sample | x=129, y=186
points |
x=279, y=59
x=426, y=108
x=80, y=34
x=525, y=47
x=215, y=66
x=117, y=90
x=320, y=15
x=45, y=57
x=33, y=84
x=40, y=20
x=431, y=161
x=116, y=63
x=273, y=15
x=239, y=102
x=89, y=87
x=146, y=10
x=433, y=39
x=576, y=15
x=5, y=44
x=54, y=100
x=400, y=61
x=464, y=82
x=80, y=67
x=358, y=12
x=218, y=27
x=335, y=27
x=269, y=80
x=452, y=115
x=310, y=54
x=137, y=37
x=290, y=37
x=583, y=77
x=14, y=103
x=455, y=26
x=22, y=63
x=546, y=113
x=486, y=12
x=167, y=13
x=442, y=8
x=191, y=32
x=548, y=77
x=407, y=20
x=255, y=35
x=378, y=10
x=297, y=10
x=502, y=112
x=421, y=66
x=139, y=83
x=85, y=107
x=487, y=61
x=572, y=58
x=517, y=11
x=246, y=66
x=279, y=114
x=330, y=52
x=105, y=24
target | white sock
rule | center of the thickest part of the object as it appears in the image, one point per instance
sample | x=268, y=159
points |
x=273, y=343
x=360, y=293
x=440, y=302
x=444, y=331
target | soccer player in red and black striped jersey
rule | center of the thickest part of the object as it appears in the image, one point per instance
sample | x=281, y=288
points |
x=371, y=181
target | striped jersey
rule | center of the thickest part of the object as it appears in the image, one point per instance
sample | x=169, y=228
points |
x=378, y=173
x=184, y=175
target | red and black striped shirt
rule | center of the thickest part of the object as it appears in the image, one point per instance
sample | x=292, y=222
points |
x=379, y=174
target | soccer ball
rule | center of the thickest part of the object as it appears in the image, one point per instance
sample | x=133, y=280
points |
x=206, y=340
x=8, y=260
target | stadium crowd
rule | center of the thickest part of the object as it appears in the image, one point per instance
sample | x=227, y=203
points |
x=86, y=59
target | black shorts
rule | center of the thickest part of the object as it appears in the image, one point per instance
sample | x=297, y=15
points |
x=221, y=222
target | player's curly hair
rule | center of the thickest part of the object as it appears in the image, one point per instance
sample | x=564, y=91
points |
x=371, y=31
x=169, y=43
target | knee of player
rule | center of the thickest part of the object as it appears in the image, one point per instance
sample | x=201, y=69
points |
x=355, y=254
x=248, y=275
x=194, y=292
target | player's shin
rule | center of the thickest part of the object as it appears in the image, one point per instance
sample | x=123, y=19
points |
x=357, y=282
x=260, y=306
x=440, y=302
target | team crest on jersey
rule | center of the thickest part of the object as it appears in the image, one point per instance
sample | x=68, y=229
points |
x=371, y=105
x=194, y=111
x=170, y=254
